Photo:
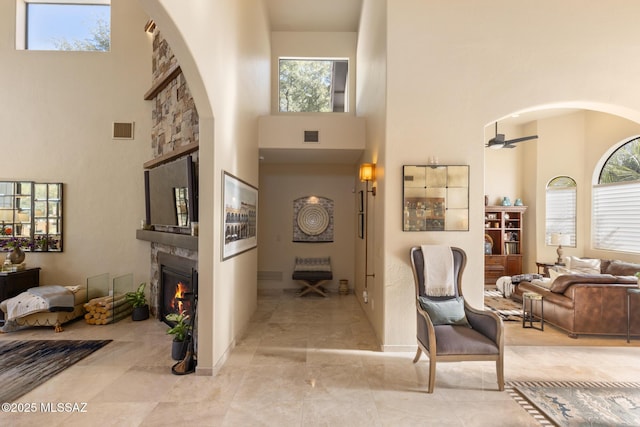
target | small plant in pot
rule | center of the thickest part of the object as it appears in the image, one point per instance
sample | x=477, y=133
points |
x=180, y=331
x=138, y=300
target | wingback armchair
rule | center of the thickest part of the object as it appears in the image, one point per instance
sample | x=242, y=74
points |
x=479, y=338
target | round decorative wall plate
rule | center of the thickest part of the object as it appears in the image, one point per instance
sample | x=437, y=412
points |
x=313, y=219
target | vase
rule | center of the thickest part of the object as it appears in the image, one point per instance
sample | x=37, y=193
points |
x=140, y=313
x=16, y=256
x=179, y=349
x=344, y=287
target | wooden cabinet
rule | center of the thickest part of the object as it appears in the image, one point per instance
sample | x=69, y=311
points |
x=504, y=233
x=16, y=282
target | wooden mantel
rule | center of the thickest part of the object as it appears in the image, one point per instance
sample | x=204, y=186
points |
x=163, y=82
x=176, y=153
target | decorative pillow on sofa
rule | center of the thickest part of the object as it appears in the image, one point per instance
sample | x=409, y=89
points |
x=583, y=265
x=621, y=268
x=445, y=312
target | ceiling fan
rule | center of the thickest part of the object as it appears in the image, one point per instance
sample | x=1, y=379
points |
x=499, y=141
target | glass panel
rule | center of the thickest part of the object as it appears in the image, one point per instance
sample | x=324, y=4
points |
x=54, y=191
x=53, y=209
x=181, y=199
x=436, y=198
x=27, y=212
x=457, y=198
x=98, y=286
x=123, y=284
x=312, y=85
x=68, y=27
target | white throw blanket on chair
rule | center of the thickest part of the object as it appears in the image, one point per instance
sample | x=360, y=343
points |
x=438, y=270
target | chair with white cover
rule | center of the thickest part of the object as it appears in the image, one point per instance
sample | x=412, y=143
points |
x=448, y=328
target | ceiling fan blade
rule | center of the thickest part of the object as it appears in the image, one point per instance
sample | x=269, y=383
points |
x=524, y=138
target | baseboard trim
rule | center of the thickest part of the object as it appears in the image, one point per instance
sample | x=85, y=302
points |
x=399, y=348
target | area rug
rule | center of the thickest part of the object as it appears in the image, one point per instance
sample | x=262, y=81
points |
x=506, y=308
x=24, y=365
x=579, y=403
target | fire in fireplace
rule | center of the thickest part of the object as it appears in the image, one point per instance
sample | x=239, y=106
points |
x=178, y=285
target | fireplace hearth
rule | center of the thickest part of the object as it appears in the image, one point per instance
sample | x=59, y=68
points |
x=178, y=285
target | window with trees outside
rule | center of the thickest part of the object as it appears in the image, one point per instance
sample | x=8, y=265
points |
x=561, y=208
x=72, y=25
x=616, y=201
x=309, y=85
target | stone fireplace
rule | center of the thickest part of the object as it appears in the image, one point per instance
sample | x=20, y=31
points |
x=174, y=134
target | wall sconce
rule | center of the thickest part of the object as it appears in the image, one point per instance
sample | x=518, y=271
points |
x=560, y=239
x=149, y=26
x=368, y=173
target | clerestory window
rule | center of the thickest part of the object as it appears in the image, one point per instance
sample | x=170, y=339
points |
x=616, y=200
x=72, y=25
x=312, y=85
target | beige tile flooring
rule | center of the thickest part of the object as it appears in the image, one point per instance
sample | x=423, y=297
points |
x=308, y=361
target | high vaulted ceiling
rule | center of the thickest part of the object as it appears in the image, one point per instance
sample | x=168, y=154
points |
x=314, y=15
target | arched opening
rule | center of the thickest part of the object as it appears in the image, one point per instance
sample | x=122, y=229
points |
x=572, y=138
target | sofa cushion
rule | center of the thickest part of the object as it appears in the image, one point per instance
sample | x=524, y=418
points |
x=621, y=268
x=583, y=265
x=563, y=282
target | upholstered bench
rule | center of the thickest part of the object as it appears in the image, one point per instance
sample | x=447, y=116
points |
x=312, y=273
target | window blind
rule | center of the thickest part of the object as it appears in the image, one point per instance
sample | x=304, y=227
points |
x=616, y=216
x=561, y=213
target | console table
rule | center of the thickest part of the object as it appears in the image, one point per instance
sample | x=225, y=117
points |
x=15, y=282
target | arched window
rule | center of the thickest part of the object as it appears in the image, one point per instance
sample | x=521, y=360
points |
x=561, y=209
x=616, y=200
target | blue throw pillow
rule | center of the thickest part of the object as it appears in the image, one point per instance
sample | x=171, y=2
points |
x=445, y=312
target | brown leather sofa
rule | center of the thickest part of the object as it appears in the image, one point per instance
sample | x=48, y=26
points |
x=588, y=303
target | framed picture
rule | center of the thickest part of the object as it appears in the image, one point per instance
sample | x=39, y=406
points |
x=361, y=225
x=361, y=201
x=239, y=217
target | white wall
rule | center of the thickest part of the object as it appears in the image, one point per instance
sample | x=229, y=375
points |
x=431, y=75
x=223, y=49
x=371, y=101
x=57, y=112
x=453, y=67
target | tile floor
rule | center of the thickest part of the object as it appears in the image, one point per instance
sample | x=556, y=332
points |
x=308, y=361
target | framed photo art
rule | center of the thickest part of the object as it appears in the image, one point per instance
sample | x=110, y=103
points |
x=240, y=216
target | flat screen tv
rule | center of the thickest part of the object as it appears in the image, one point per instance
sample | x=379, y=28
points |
x=171, y=194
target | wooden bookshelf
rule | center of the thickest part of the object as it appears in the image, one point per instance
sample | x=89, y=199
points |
x=504, y=227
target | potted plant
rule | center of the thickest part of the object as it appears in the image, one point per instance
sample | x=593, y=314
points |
x=180, y=331
x=139, y=302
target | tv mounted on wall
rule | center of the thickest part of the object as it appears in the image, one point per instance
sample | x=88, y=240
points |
x=171, y=195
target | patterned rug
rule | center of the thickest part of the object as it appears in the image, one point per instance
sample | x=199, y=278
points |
x=506, y=308
x=27, y=364
x=579, y=403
